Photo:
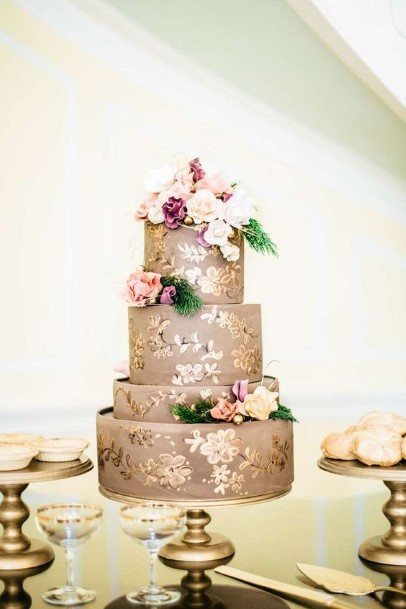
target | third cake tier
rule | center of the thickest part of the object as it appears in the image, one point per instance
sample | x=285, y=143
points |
x=217, y=346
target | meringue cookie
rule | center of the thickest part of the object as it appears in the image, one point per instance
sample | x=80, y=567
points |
x=374, y=418
x=378, y=445
x=338, y=445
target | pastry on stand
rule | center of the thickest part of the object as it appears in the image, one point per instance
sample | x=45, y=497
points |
x=17, y=551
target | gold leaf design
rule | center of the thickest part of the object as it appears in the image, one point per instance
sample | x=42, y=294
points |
x=247, y=359
x=136, y=347
x=156, y=341
x=154, y=399
x=275, y=459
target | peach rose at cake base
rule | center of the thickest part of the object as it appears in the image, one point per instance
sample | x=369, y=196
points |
x=224, y=410
x=141, y=287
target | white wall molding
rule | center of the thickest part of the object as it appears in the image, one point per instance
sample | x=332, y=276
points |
x=200, y=93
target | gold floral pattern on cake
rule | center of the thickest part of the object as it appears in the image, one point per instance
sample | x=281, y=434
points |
x=236, y=324
x=169, y=471
x=159, y=347
x=157, y=233
x=218, y=280
x=137, y=344
x=276, y=458
x=247, y=359
x=154, y=399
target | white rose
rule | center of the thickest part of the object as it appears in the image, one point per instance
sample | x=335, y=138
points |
x=156, y=215
x=159, y=179
x=230, y=252
x=203, y=206
x=261, y=403
x=218, y=233
x=239, y=209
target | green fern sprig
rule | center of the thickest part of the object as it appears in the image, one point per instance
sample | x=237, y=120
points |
x=284, y=413
x=258, y=239
x=198, y=413
x=186, y=301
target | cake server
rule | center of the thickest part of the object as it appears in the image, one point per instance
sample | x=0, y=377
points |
x=341, y=582
x=303, y=596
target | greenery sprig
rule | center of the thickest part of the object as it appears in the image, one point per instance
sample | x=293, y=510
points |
x=258, y=239
x=284, y=413
x=198, y=413
x=186, y=301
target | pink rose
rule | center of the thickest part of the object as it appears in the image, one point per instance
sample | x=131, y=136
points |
x=196, y=169
x=215, y=183
x=178, y=190
x=200, y=237
x=141, y=287
x=168, y=295
x=142, y=211
x=224, y=410
x=240, y=389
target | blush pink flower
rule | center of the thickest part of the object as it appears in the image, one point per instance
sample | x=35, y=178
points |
x=144, y=207
x=200, y=236
x=224, y=410
x=123, y=367
x=215, y=183
x=240, y=389
x=141, y=287
x=197, y=169
x=168, y=295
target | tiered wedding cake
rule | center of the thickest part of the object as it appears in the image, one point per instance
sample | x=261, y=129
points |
x=195, y=421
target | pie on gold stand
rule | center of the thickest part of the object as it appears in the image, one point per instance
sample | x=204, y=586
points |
x=17, y=551
x=389, y=549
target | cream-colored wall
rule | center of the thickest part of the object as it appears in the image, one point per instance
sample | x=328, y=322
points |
x=88, y=103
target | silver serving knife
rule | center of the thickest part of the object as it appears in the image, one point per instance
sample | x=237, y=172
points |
x=298, y=594
x=341, y=582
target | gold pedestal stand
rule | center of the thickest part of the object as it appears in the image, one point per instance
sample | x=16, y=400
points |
x=390, y=549
x=397, y=577
x=14, y=596
x=199, y=551
x=17, y=551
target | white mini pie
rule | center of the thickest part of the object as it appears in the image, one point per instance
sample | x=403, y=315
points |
x=14, y=456
x=60, y=449
x=19, y=438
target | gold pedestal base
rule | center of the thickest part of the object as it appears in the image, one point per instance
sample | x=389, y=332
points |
x=197, y=546
x=375, y=550
x=36, y=555
x=397, y=577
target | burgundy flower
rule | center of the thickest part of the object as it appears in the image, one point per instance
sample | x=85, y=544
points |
x=226, y=196
x=168, y=295
x=200, y=237
x=174, y=211
x=196, y=169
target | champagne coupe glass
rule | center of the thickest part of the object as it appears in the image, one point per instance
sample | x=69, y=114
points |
x=153, y=525
x=68, y=525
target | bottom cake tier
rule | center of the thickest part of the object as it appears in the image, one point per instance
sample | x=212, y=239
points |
x=200, y=464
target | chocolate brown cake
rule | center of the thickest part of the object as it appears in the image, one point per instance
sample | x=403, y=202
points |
x=195, y=422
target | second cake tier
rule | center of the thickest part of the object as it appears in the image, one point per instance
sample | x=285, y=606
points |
x=217, y=346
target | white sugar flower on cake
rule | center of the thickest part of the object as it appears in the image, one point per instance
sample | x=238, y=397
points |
x=198, y=196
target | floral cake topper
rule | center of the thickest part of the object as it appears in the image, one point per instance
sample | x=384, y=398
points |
x=201, y=198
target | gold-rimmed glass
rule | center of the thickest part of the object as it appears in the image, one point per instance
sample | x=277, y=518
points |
x=69, y=525
x=153, y=525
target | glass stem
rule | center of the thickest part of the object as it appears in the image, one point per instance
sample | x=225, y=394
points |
x=69, y=568
x=152, y=569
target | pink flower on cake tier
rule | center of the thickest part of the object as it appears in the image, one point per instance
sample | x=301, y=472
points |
x=178, y=190
x=200, y=237
x=196, y=169
x=143, y=210
x=174, y=211
x=168, y=295
x=141, y=287
x=204, y=207
x=216, y=183
x=240, y=389
x=224, y=410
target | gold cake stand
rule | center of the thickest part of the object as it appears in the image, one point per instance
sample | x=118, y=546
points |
x=389, y=549
x=17, y=551
x=198, y=550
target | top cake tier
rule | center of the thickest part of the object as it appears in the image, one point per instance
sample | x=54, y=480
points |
x=216, y=280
